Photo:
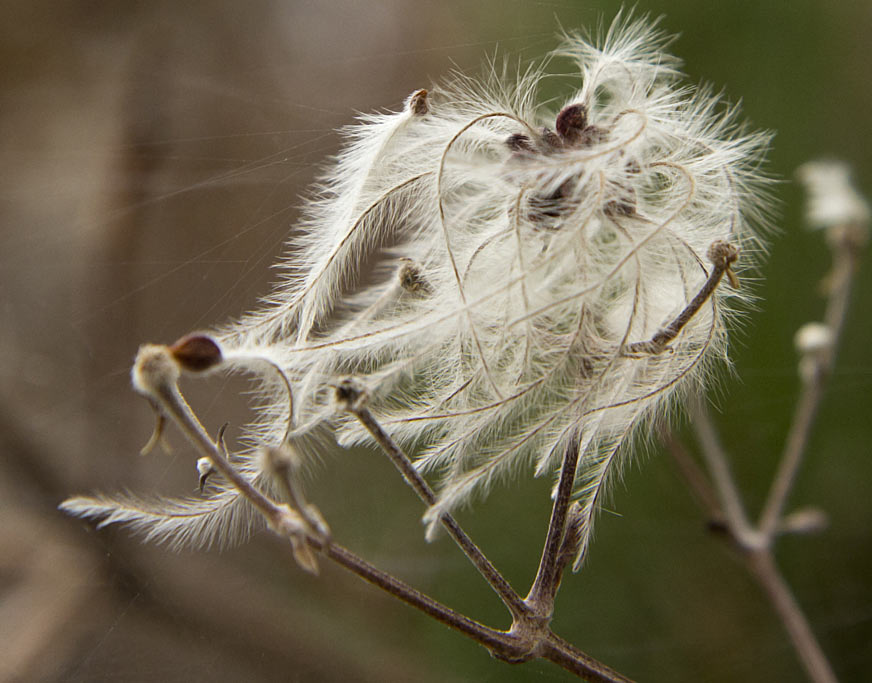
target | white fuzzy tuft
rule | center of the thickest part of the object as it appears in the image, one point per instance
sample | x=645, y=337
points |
x=832, y=198
x=220, y=520
x=542, y=245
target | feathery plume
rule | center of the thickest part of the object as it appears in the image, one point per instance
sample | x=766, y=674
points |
x=540, y=278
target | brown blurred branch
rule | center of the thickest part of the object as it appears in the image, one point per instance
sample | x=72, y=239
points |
x=846, y=243
x=757, y=541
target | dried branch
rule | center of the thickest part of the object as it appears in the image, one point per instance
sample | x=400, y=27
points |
x=353, y=397
x=156, y=375
x=844, y=214
x=846, y=243
x=544, y=589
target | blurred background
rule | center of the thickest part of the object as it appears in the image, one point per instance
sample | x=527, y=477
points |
x=152, y=155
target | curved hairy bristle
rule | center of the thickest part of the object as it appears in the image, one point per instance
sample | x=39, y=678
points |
x=505, y=278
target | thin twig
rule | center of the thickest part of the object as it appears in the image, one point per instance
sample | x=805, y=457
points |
x=846, y=256
x=566, y=655
x=758, y=542
x=171, y=400
x=722, y=255
x=694, y=476
x=352, y=396
x=494, y=640
x=722, y=478
x=758, y=555
x=763, y=567
x=156, y=375
x=502, y=645
x=544, y=589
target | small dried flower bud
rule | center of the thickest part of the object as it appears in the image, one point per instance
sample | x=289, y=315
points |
x=832, y=198
x=518, y=142
x=813, y=338
x=804, y=521
x=204, y=470
x=418, y=103
x=723, y=254
x=196, y=352
x=154, y=368
x=350, y=394
x=412, y=279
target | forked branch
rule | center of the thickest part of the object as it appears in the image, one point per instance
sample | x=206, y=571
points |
x=722, y=256
x=757, y=541
x=156, y=375
x=353, y=398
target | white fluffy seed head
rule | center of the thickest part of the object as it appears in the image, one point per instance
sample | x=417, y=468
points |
x=547, y=243
x=482, y=264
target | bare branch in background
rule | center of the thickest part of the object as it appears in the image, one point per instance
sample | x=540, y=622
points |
x=837, y=208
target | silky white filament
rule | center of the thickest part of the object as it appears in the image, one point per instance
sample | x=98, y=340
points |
x=485, y=266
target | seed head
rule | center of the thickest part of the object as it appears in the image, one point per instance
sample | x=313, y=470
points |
x=493, y=271
x=534, y=248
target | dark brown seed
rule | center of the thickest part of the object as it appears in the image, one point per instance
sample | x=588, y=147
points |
x=551, y=139
x=418, y=103
x=196, y=352
x=571, y=121
x=518, y=142
x=574, y=129
x=412, y=279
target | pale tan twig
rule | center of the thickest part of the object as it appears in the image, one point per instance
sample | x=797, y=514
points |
x=718, y=465
x=845, y=243
x=694, y=476
x=757, y=541
x=758, y=552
